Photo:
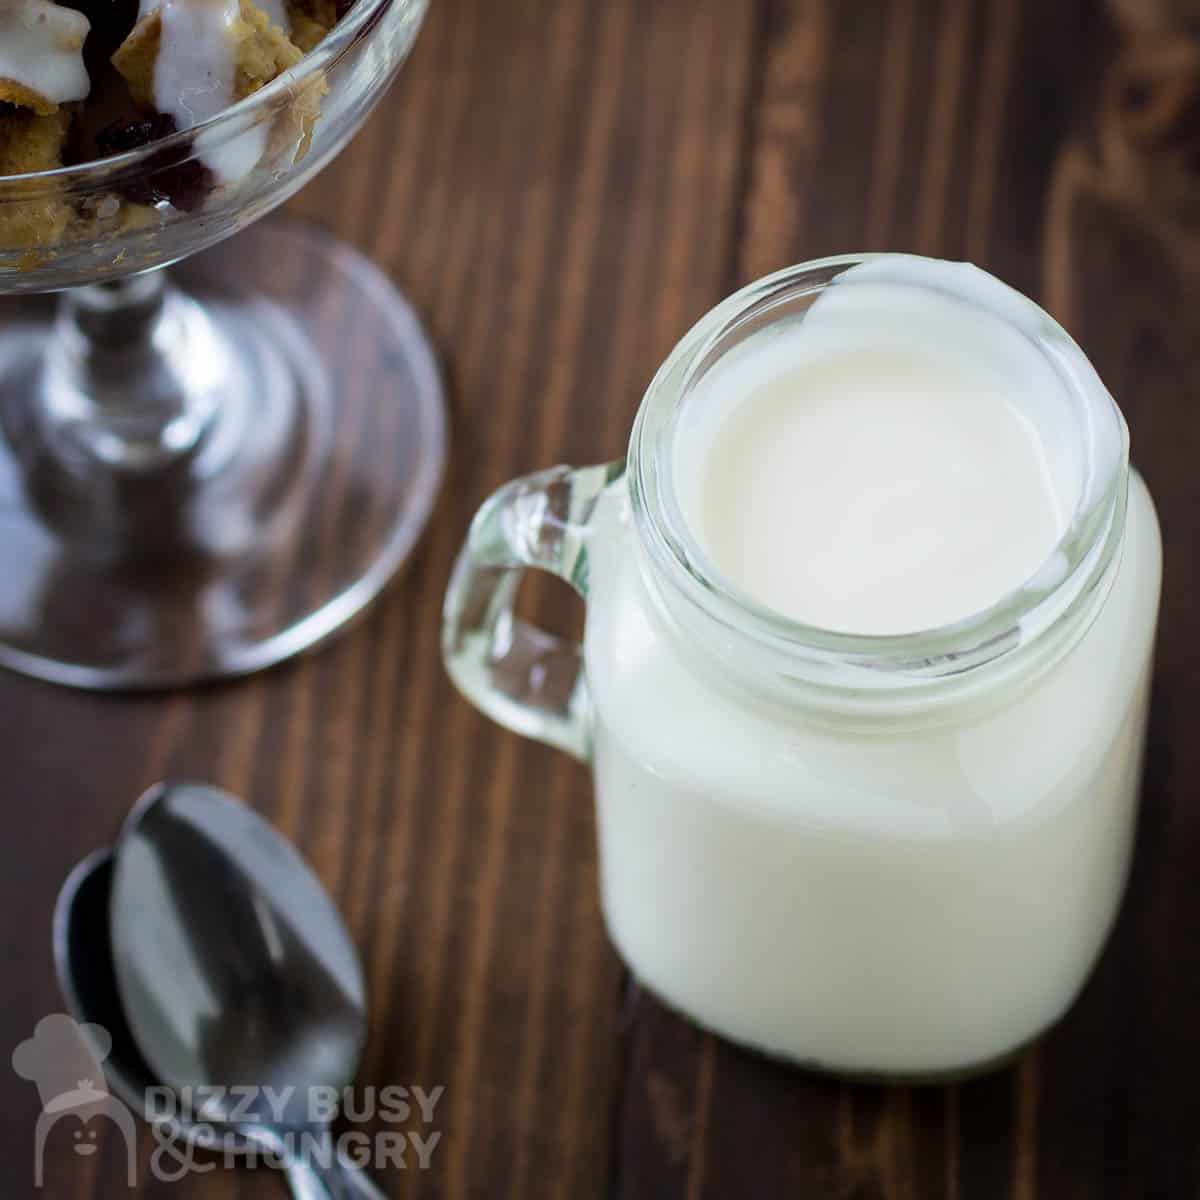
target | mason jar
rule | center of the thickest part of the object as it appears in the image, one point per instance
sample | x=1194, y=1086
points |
x=874, y=855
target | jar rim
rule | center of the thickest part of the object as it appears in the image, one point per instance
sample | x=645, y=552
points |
x=1073, y=573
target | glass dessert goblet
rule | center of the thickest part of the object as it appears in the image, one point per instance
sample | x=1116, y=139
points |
x=206, y=470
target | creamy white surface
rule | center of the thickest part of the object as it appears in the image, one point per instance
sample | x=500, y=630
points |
x=854, y=472
x=41, y=48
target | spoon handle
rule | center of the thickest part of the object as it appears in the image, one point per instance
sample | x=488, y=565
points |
x=339, y=1180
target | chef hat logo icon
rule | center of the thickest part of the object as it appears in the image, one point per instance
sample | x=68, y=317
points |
x=65, y=1060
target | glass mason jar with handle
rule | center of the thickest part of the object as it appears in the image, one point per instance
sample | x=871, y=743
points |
x=876, y=855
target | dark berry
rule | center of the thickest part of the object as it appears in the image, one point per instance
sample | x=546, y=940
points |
x=168, y=174
x=122, y=136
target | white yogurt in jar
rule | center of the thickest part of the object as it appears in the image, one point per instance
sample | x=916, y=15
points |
x=863, y=482
x=909, y=895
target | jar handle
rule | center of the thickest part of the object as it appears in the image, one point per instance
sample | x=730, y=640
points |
x=522, y=677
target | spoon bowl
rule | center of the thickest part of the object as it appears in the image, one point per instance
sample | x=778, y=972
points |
x=233, y=966
x=239, y=982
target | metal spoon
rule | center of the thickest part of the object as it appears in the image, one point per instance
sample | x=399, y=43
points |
x=83, y=964
x=234, y=969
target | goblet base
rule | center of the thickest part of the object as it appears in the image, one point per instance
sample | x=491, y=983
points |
x=299, y=499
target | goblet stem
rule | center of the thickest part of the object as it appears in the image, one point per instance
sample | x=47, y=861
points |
x=201, y=477
x=131, y=376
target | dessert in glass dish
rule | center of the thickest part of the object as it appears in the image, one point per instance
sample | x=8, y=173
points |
x=207, y=469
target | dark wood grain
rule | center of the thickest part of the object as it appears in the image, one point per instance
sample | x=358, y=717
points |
x=562, y=187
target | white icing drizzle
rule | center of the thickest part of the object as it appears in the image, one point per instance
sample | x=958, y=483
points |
x=275, y=10
x=195, y=78
x=41, y=48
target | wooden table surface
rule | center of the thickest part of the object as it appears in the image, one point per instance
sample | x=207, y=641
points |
x=563, y=187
